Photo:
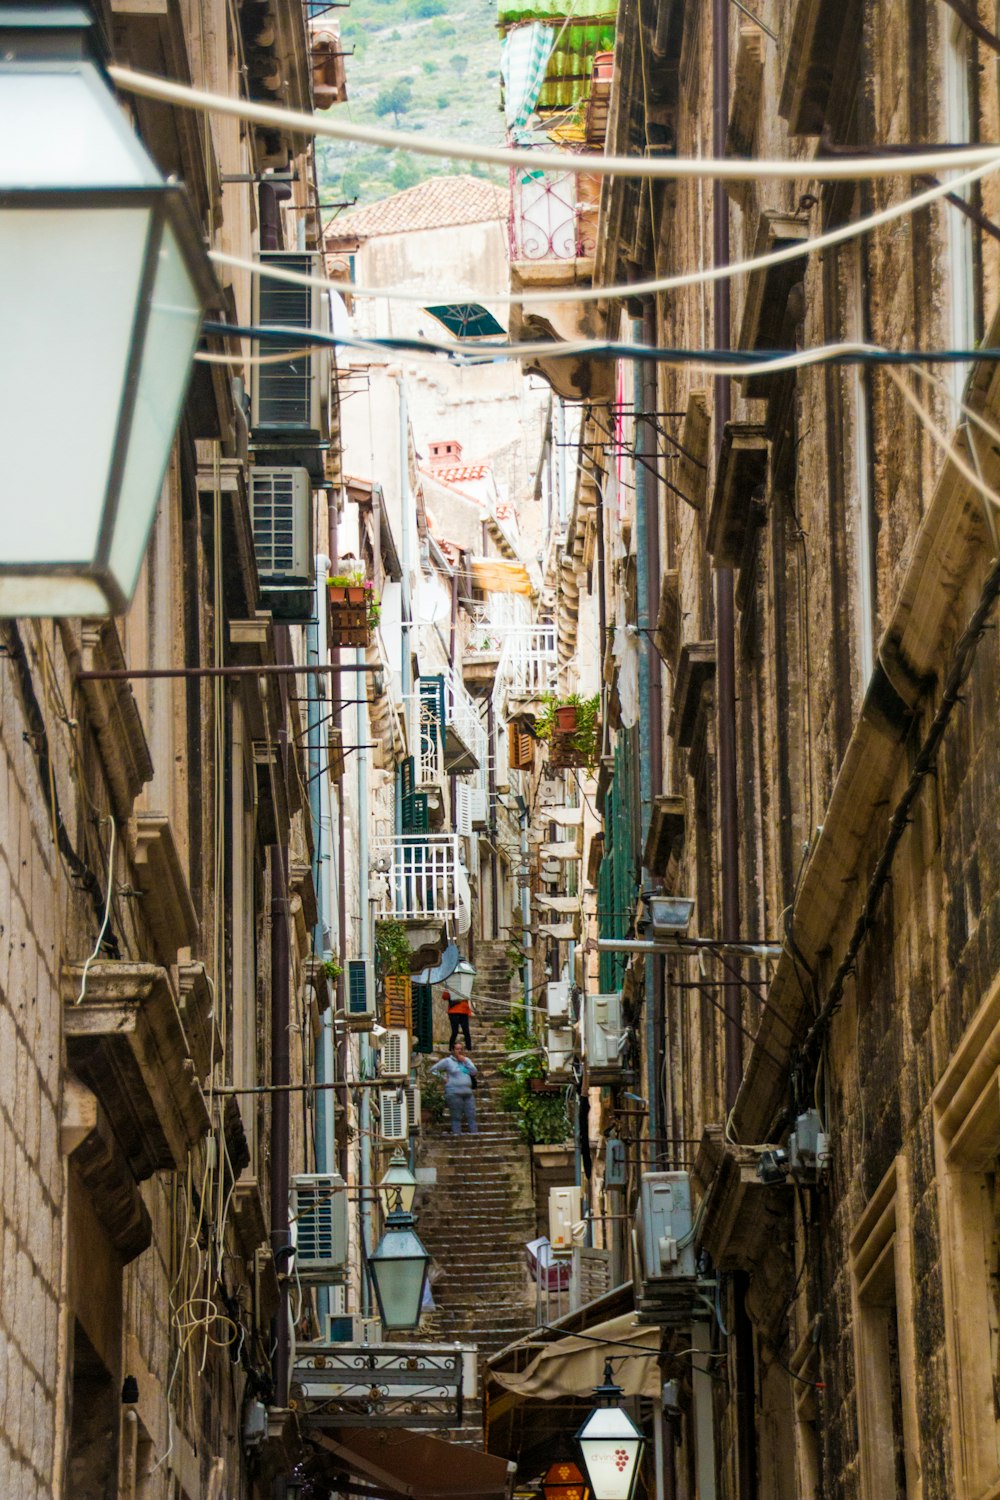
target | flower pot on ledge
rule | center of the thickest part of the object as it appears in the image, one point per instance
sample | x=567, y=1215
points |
x=566, y=718
x=348, y=616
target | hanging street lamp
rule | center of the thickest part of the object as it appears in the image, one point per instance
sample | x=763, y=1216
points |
x=610, y=1444
x=398, y=1181
x=563, y=1481
x=103, y=282
x=398, y=1269
x=461, y=979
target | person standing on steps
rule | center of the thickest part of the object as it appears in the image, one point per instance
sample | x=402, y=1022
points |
x=459, y=1081
x=459, y=1011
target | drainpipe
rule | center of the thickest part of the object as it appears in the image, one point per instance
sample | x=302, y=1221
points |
x=366, y=949
x=526, y=915
x=560, y=461
x=491, y=821
x=643, y=562
x=270, y=195
x=725, y=629
x=602, y=598
x=320, y=809
x=406, y=611
x=725, y=635
x=655, y=1020
x=337, y=721
x=280, y=1074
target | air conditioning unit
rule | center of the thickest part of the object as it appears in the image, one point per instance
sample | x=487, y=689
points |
x=603, y=1033
x=290, y=400
x=393, y=1120
x=413, y=1106
x=281, y=512
x=558, y=1052
x=394, y=1057
x=590, y=1275
x=666, y=1226
x=319, y=1226
x=479, y=806
x=352, y=1328
x=360, y=995
x=565, y=1217
x=557, y=1001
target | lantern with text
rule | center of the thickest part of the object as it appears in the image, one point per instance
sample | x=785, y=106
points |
x=103, y=282
x=563, y=1481
x=610, y=1444
x=398, y=1269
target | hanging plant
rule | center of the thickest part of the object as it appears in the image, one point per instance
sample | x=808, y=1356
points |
x=570, y=727
x=392, y=948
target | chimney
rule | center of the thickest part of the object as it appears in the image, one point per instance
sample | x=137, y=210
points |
x=445, y=453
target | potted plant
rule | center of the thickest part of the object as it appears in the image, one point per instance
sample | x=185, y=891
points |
x=354, y=608
x=570, y=728
x=566, y=717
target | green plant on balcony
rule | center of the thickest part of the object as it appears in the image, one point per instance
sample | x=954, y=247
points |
x=542, y=1119
x=332, y=969
x=355, y=608
x=570, y=726
x=392, y=948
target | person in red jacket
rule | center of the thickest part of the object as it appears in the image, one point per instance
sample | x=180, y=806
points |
x=459, y=1012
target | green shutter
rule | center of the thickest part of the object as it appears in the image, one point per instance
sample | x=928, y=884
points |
x=423, y=1018
x=357, y=987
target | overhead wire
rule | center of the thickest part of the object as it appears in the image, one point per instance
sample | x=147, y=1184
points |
x=702, y=276
x=667, y=168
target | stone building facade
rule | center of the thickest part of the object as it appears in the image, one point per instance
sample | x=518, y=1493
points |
x=810, y=562
x=158, y=909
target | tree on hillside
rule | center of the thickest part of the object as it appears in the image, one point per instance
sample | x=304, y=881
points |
x=395, y=99
x=459, y=62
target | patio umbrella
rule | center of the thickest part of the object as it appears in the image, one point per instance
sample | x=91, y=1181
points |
x=466, y=320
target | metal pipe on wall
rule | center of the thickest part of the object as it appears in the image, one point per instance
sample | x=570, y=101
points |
x=337, y=721
x=643, y=501
x=280, y=1074
x=725, y=626
x=651, y=454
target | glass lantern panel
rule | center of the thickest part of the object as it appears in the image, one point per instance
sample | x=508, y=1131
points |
x=69, y=288
x=63, y=129
x=174, y=324
x=401, y=1285
x=610, y=1465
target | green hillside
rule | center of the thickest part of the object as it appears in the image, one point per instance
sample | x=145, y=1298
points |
x=425, y=64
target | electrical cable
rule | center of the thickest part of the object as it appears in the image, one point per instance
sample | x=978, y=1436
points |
x=669, y=168
x=107, y=914
x=651, y=286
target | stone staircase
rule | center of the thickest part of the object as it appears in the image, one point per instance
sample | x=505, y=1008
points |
x=477, y=1218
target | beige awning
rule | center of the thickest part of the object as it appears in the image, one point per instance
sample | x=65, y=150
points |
x=417, y=1466
x=496, y=575
x=574, y=1365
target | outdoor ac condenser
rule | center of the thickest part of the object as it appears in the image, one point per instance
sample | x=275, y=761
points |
x=603, y=1032
x=413, y=1106
x=666, y=1228
x=565, y=1217
x=392, y=1114
x=558, y=1052
x=394, y=1054
x=557, y=1002
x=281, y=512
x=319, y=1226
x=290, y=400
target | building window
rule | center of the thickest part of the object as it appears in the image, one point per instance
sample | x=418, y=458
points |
x=885, y=1364
x=967, y=1147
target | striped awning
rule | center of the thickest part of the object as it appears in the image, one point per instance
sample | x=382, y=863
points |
x=497, y=575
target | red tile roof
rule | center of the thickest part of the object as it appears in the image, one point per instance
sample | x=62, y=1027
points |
x=456, y=473
x=436, y=203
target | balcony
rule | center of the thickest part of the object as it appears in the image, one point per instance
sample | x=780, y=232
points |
x=425, y=882
x=553, y=236
x=416, y=1386
x=448, y=735
x=527, y=666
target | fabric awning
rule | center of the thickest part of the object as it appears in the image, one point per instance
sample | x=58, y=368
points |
x=496, y=575
x=419, y=1466
x=574, y=1365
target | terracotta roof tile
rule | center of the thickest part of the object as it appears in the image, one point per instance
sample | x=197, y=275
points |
x=436, y=203
x=456, y=473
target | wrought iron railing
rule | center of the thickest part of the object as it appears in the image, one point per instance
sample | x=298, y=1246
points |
x=423, y=879
x=528, y=662
x=380, y=1385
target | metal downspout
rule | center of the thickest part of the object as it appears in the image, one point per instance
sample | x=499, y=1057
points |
x=320, y=812
x=725, y=645
x=642, y=570
x=725, y=632
x=406, y=557
x=650, y=448
x=337, y=722
x=366, y=950
x=280, y=1074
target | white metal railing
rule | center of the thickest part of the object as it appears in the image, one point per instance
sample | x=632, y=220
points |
x=423, y=881
x=463, y=716
x=426, y=738
x=528, y=662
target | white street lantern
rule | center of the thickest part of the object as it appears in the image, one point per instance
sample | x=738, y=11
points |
x=398, y=1184
x=461, y=980
x=103, y=281
x=398, y=1269
x=610, y=1444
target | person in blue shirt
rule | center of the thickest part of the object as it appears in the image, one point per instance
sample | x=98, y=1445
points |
x=458, y=1071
